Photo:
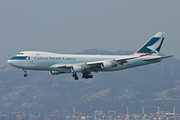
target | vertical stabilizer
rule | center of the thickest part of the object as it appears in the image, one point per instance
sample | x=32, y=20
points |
x=153, y=45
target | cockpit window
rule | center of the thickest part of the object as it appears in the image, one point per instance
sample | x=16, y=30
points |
x=20, y=53
x=20, y=58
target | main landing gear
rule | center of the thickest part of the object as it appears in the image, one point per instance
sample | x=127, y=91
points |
x=87, y=75
x=75, y=76
x=25, y=74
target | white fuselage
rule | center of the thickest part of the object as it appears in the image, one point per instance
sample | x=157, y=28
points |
x=35, y=60
x=73, y=63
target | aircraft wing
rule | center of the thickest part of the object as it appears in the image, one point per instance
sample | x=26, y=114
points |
x=97, y=65
x=114, y=61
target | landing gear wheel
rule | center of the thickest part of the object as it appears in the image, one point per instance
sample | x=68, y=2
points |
x=25, y=75
x=87, y=75
x=91, y=76
x=74, y=75
x=76, y=78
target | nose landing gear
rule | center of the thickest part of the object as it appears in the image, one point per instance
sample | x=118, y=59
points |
x=25, y=74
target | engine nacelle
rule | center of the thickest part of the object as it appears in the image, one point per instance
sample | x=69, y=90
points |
x=54, y=72
x=105, y=65
x=75, y=69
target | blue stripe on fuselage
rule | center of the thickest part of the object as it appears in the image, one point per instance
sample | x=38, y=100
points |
x=20, y=58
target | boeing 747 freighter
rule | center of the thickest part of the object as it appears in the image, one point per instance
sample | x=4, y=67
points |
x=86, y=64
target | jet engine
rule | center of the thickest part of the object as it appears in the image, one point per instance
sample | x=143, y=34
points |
x=54, y=72
x=75, y=69
x=105, y=65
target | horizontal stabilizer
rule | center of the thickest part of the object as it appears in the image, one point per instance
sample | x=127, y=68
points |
x=158, y=57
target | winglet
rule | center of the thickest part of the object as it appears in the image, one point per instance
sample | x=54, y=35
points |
x=153, y=45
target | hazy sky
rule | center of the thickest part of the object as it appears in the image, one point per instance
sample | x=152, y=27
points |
x=70, y=26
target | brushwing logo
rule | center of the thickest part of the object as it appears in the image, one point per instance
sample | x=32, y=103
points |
x=154, y=47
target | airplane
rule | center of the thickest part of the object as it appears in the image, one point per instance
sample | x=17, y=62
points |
x=85, y=64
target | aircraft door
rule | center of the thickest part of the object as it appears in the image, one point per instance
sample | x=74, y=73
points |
x=32, y=60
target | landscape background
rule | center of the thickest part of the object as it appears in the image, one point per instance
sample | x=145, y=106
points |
x=151, y=86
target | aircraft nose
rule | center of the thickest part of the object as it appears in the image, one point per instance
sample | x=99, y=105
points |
x=10, y=62
x=14, y=63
